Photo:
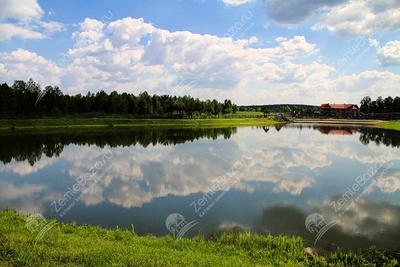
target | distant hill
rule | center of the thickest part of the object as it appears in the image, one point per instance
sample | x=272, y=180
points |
x=277, y=108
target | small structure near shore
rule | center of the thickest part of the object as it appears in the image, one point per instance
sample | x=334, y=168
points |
x=339, y=110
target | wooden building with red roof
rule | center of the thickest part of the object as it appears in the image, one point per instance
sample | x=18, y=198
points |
x=339, y=110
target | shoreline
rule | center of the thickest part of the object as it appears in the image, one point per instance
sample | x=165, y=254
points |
x=388, y=125
x=8, y=126
x=99, y=123
x=339, y=122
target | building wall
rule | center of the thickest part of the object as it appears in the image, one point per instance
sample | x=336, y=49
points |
x=339, y=113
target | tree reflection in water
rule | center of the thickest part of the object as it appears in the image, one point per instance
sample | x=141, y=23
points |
x=31, y=147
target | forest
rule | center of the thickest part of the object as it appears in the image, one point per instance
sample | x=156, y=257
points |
x=28, y=99
x=380, y=105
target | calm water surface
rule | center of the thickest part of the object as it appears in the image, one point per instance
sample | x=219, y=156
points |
x=266, y=180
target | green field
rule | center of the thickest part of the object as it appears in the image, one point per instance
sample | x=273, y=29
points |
x=245, y=114
x=52, y=123
x=72, y=245
x=393, y=125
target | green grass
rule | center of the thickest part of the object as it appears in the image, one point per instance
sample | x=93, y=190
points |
x=52, y=123
x=245, y=114
x=392, y=125
x=72, y=245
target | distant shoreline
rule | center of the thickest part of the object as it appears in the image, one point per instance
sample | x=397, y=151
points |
x=339, y=121
x=389, y=125
x=98, y=123
x=21, y=125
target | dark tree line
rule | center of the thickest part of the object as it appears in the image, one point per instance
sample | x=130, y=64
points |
x=28, y=99
x=279, y=108
x=380, y=105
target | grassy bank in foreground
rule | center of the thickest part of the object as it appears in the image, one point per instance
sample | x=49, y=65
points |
x=71, y=245
x=393, y=125
x=51, y=123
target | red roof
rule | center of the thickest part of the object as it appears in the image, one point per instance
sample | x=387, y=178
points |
x=337, y=106
x=336, y=132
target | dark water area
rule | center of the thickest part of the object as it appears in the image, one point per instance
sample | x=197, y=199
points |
x=327, y=184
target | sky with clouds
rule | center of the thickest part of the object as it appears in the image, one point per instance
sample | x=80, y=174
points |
x=251, y=51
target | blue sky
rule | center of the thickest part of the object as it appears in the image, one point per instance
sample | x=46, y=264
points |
x=252, y=51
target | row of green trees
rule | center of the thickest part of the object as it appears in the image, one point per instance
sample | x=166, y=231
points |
x=28, y=99
x=380, y=105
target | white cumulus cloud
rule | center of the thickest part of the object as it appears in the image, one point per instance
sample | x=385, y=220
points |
x=21, y=10
x=237, y=2
x=8, y=31
x=27, y=23
x=344, y=17
x=389, y=54
x=362, y=17
x=22, y=64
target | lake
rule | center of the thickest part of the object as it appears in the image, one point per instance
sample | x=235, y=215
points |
x=337, y=185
